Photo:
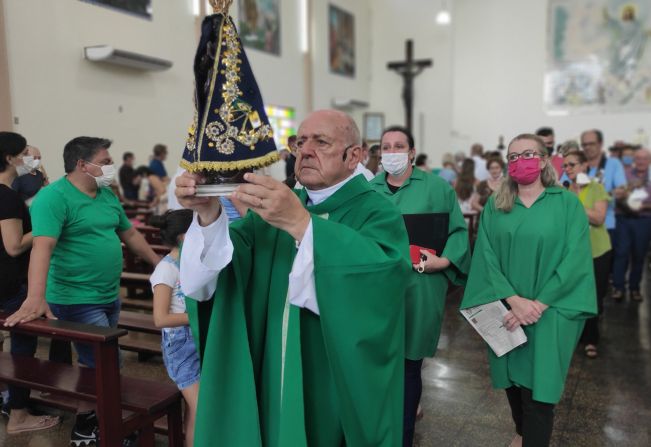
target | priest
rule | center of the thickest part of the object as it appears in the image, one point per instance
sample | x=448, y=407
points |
x=298, y=308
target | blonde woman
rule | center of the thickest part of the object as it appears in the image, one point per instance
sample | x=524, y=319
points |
x=533, y=254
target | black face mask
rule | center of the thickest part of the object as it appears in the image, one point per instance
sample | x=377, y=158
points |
x=550, y=150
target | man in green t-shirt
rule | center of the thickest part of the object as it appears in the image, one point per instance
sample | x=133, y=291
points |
x=76, y=261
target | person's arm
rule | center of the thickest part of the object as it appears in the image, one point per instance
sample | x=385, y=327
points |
x=162, y=316
x=34, y=305
x=597, y=214
x=137, y=244
x=158, y=186
x=13, y=239
x=474, y=202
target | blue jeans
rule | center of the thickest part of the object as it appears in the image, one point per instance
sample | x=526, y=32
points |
x=105, y=315
x=632, y=236
x=21, y=345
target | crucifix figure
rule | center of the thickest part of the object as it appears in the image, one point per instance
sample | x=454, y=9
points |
x=409, y=69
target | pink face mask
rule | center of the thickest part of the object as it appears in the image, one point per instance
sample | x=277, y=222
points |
x=525, y=172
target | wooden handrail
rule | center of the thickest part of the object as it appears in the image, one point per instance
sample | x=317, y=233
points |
x=65, y=330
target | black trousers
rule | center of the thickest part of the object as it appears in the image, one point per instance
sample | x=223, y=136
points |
x=413, y=391
x=602, y=265
x=534, y=420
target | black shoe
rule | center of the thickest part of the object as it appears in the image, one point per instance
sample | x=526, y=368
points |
x=85, y=430
x=4, y=409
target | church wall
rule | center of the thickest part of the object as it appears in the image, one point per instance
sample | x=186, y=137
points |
x=499, y=50
x=58, y=95
x=328, y=85
x=394, y=21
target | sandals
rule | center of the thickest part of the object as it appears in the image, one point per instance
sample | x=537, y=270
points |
x=44, y=422
x=591, y=351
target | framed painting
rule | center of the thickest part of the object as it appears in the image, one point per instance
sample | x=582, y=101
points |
x=341, y=38
x=598, y=56
x=141, y=8
x=373, y=127
x=259, y=24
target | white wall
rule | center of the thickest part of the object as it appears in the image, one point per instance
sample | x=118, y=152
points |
x=326, y=84
x=394, y=21
x=498, y=64
x=58, y=95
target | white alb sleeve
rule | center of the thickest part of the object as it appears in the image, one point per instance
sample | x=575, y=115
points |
x=206, y=251
x=302, y=290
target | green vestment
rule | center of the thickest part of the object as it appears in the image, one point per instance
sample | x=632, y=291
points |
x=343, y=369
x=541, y=252
x=425, y=302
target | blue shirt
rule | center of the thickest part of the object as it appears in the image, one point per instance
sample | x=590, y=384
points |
x=158, y=168
x=611, y=176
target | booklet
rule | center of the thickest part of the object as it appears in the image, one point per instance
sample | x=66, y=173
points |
x=487, y=320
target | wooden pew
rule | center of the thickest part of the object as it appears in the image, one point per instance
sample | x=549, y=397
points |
x=143, y=337
x=124, y=404
x=152, y=234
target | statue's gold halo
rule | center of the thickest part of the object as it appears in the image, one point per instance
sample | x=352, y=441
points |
x=220, y=6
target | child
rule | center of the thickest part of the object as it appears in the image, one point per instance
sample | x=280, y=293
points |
x=179, y=352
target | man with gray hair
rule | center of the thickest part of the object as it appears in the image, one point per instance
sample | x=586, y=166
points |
x=76, y=260
x=297, y=308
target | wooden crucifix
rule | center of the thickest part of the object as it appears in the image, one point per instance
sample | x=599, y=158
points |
x=409, y=69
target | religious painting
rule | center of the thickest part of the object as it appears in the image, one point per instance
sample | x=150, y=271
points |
x=373, y=126
x=341, y=36
x=140, y=8
x=260, y=24
x=598, y=56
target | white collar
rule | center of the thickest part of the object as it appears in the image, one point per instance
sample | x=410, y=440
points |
x=317, y=197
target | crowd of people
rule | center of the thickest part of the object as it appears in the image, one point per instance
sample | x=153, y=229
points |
x=306, y=313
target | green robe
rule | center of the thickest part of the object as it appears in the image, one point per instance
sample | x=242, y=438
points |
x=541, y=252
x=425, y=303
x=343, y=371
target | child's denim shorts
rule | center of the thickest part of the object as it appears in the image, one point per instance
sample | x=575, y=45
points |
x=180, y=356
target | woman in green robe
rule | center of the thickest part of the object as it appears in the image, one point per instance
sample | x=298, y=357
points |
x=533, y=253
x=416, y=192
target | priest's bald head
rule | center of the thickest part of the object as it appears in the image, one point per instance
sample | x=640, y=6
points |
x=329, y=149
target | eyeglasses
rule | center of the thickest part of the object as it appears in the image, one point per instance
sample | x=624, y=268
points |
x=569, y=164
x=527, y=155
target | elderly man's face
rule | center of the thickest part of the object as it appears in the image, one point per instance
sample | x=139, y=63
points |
x=642, y=159
x=590, y=145
x=325, y=154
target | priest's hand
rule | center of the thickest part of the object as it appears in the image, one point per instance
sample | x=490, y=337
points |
x=275, y=203
x=207, y=208
x=433, y=263
x=524, y=310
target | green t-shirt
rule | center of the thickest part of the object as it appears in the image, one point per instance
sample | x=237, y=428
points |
x=87, y=260
x=599, y=237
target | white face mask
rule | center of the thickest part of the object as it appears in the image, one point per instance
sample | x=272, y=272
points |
x=30, y=162
x=395, y=163
x=107, y=177
x=23, y=169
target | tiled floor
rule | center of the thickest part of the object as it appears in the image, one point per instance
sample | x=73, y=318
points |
x=607, y=401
